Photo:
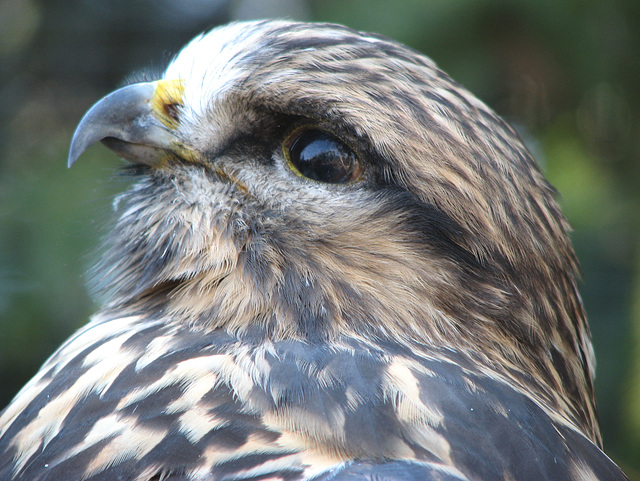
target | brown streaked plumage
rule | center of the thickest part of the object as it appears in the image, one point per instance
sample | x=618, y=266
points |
x=335, y=263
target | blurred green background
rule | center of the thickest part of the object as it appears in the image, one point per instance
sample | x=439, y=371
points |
x=566, y=73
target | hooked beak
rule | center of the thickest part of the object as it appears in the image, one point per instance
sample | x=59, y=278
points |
x=137, y=122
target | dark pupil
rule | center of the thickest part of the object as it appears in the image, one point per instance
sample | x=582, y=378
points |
x=320, y=156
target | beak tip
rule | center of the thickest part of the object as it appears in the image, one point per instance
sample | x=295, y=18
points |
x=73, y=156
x=79, y=144
x=71, y=161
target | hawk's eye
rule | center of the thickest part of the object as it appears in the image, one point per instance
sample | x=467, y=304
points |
x=320, y=156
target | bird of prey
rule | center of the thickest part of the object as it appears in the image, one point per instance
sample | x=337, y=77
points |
x=335, y=263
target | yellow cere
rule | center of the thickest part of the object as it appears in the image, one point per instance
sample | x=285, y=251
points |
x=166, y=100
x=165, y=104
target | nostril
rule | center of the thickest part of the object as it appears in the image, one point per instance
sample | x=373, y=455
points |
x=172, y=111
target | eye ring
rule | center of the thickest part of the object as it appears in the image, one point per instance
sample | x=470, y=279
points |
x=316, y=154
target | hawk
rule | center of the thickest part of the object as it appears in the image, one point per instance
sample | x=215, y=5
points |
x=335, y=263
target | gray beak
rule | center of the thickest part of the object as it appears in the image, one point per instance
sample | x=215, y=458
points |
x=127, y=123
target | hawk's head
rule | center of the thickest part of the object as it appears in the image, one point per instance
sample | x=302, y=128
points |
x=316, y=183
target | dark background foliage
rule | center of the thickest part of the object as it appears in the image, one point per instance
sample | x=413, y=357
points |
x=566, y=73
